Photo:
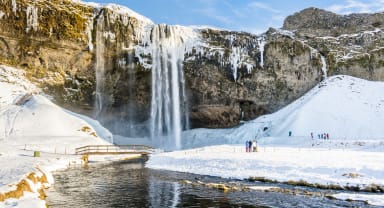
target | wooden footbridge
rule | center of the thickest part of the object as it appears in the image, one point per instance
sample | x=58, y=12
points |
x=114, y=149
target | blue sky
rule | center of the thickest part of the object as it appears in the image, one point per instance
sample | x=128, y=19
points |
x=254, y=16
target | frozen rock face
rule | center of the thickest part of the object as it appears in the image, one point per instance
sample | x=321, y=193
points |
x=100, y=60
x=352, y=44
x=316, y=22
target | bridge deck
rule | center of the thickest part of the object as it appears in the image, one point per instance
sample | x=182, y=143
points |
x=114, y=149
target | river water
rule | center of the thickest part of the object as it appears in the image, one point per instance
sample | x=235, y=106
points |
x=130, y=184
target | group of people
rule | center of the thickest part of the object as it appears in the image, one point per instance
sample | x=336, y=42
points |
x=324, y=136
x=251, y=146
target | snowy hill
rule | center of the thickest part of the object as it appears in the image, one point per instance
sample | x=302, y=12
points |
x=30, y=119
x=345, y=107
x=30, y=122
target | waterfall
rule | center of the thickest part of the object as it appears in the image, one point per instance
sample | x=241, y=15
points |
x=324, y=66
x=235, y=59
x=100, y=65
x=169, y=112
x=261, y=43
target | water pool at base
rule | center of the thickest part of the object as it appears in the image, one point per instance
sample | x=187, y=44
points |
x=130, y=184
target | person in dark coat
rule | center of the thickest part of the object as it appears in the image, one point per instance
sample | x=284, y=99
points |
x=249, y=146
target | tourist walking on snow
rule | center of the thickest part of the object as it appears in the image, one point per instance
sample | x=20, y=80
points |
x=246, y=146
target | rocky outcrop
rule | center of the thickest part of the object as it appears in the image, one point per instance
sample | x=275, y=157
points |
x=314, y=22
x=352, y=43
x=98, y=60
x=289, y=69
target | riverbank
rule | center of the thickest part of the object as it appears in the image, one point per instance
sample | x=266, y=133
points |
x=24, y=180
x=327, y=167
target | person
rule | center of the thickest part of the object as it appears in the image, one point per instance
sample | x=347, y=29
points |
x=290, y=133
x=249, y=146
x=312, y=135
x=327, y=136
x=254, y=146
x=246, y=146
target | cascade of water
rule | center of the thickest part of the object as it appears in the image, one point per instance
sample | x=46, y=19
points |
x=261, y=43
x=324, y=66
x=100, y=64
x=131, y=108
x=235, y=59
x=168, y=91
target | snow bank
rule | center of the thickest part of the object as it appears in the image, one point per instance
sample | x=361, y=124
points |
x=373, y=199
x=347, y=108
x=30, y=122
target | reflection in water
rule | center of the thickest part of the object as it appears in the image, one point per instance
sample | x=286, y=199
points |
x=130, y=184
x=176, y=194
x=163, y=194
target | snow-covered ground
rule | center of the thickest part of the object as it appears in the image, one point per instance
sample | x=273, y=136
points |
x=30, y=122
x=345, y=107
x=349, y=109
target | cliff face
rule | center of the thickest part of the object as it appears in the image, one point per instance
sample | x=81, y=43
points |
x=99, y=60
x=353, y=44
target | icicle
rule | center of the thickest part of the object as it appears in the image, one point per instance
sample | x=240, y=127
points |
x=89, y=34
x=14, y=6
x=235, y=59
x=32, y=18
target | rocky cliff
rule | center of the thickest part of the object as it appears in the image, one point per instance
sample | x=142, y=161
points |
x=100, y=60
x=353, y=44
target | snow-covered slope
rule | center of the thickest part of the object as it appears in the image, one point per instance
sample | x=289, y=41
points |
x=30, y=122
x=30, y=119
x=345, y=107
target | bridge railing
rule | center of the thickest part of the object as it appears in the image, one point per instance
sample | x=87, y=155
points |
x=114, y=149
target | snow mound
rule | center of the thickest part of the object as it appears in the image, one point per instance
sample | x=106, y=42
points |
x=347, y=108
x=30, y=119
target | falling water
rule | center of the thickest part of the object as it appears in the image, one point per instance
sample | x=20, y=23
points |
x=168, y=108
x=261, y=43
x=131, y=93
x=324, y=66
x=100, y=65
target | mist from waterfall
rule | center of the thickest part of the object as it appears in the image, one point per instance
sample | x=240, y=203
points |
x=169, y=100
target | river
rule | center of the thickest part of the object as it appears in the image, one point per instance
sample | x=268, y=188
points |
x=130, y=184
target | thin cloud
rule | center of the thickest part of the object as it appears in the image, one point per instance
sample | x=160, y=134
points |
x=212, y=13
x=259, y=5
x=355, y=6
